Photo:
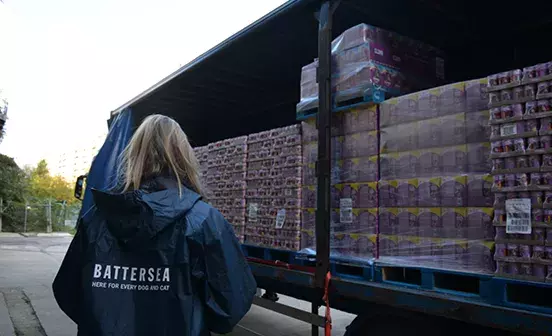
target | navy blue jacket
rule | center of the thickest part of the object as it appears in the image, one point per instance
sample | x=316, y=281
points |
x=150, y=262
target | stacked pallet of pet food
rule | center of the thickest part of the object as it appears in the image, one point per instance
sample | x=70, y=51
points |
x=202, y=155
x=354, y=146
x=367, y=60
x=521, y=123
x=435, y=203
x=226, y=180
x=273, y=193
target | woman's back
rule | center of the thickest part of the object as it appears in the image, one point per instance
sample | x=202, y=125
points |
x=154, y=260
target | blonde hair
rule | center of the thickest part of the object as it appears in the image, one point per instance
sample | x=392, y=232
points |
x=159, y=146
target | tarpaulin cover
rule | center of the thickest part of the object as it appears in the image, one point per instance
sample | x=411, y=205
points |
x=103, y=172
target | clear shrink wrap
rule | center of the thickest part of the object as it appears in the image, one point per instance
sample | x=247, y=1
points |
x=366, y=59
x=435, y=187
x=274, y=188
x=354, y=201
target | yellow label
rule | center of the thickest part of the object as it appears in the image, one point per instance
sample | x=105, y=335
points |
x=394, y=183
x=338, y=187
x=373, y=158
x=394, y=211
x=435, y=180
x=373, y=238
x=413, y=239
x=462, y=243
x=488, y=178
x=339, y=236
x=413, y=182
x=483, y=81
x=355, y=186
x=459, y=85
x=310, y=210
x=354, y=236
x=461, y=179
x=355, y=160
x=489, y=244
x=394, y=239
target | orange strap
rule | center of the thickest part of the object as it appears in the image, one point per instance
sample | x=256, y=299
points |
x=326, y=298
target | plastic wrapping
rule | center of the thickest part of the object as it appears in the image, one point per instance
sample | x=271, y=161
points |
x=226, y=180
x=521, y=167
x=435, y=188
x=367, y=59
x=350, y=80
x=354, y=200
x=273, y=195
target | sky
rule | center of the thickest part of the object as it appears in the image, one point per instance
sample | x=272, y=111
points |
x=65, y=64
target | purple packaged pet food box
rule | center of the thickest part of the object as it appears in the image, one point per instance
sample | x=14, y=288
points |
x=480, y=224
x=388, y=193
x=453, y=128
x=408, y=164
x=430, y=133
x=429, y=192
x=430, y=221
x=454, y=191
x=477, y=97
x=427, y=104
x=407, y=219
x=454, y=223
x=479, y=157
x=452, y=98
x=430, y=162
x=388, y=221
x=479, y=191
x=454, y=159
x=407, y=193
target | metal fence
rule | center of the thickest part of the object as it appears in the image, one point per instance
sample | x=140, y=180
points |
x=38, y=216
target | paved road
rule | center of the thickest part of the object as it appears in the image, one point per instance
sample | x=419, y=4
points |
x=29, y=265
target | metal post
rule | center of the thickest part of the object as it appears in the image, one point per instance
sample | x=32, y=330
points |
x=25, y=222
x=1, y=212
x=49, y=216
x=323, y=165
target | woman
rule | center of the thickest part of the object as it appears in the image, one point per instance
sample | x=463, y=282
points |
x=154, y=259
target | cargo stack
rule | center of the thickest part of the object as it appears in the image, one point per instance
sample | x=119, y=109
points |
x=354, y=200
x=273, y=197
x=202, y=155
x=435, y=188
x=521, y=123
x=368, y=61
x=226, y=180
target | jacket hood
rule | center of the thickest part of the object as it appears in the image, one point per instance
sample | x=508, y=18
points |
x=138, y=216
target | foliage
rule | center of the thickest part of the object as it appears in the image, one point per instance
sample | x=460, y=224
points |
x=29, y=193
x=13, y=182
x=42, y=185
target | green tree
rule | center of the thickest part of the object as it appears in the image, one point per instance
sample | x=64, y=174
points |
x=42, y=185
x=13, y=183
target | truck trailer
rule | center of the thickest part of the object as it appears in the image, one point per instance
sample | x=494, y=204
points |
x=251, y=83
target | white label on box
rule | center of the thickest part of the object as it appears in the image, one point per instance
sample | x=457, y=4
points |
x=252, y=213
x=346, y=210
x=508, y=129
x=280, y=218
x=518, y=215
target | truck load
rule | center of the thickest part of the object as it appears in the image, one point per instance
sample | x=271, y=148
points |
x=385, y=177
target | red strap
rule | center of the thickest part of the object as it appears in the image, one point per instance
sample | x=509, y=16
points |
x=326, y=298
x=281, y=264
